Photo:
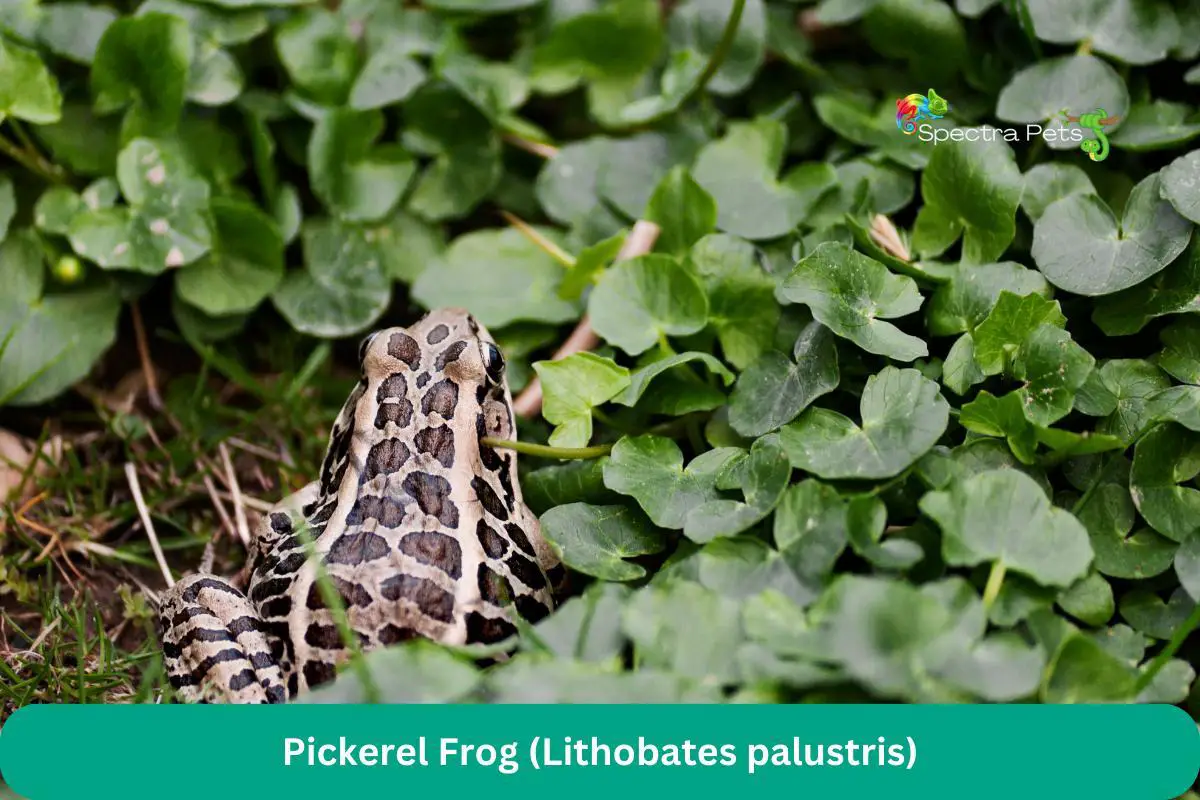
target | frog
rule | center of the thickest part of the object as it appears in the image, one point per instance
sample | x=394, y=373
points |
x=416, y=525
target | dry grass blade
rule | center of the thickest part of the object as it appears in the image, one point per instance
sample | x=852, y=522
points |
x=144, y=513
x=239, y=509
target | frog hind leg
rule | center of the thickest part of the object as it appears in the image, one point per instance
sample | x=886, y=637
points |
x=215, y=646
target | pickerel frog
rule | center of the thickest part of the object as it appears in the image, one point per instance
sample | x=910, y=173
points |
x=420, y=527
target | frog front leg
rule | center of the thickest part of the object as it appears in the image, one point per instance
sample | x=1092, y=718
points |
x=215, y=646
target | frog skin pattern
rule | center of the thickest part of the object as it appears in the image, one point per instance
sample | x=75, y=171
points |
x=420, y=527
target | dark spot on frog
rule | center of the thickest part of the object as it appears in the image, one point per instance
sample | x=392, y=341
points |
x=488, y=499
x=391, y=634
x=325, y=636
x=432, y=493
x=268, y=589
x=434, y=549
x=279, y=607
x=386, y=458
x=398, y=413
x=485, y=630
x=403, y=347
x=393, y=387
x=423, y=380
x=526, y=571
x=432, y=600
x=318, y=672
x=518, y=538
x=438, y=333
x=494, y=587
x=531, y=609
x=281, y=523
x=355, y=548
x=450, y=354
x=387, y=512
x=492, y=542
x=437, y=442
x=353, y=594
x=442, y=397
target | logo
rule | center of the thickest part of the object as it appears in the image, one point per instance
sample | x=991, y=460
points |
x=919, y=106
x=1097, y=149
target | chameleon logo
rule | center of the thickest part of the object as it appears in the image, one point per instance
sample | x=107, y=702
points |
x=918, y=106
x=1097, y=149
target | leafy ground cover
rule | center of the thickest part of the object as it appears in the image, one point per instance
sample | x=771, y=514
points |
x=879, y=418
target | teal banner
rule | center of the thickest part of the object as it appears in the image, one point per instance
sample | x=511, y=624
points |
x=1031, y=751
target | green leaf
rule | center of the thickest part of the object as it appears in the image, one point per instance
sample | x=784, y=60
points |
x=925, y=33
x=1167, y=455
x=1003, y=517
x=810, y=529
x=573, y=386
x=851, y=294
x=640, y=379
x=1120, y=390
x=1046, y=183
x=1081, y=671
x=1179, y=404
x=388, y=77
x=596, y=540
x=615, y=42
x=1181, y=352
x=567, y=183
x=28, y=90
x=659, y=619
x=739, y=172
x=354, y=180
x=144, y=60
x=415, y=672
x=973, y=187
x=500, y=275
x=1158, y=125
x=960, y=371
x=1175, y=290
x=1011, y=321
x=165, y=224
x=642, y=300
x=741, y=297
x=1187, y=566
x=8, y=205
x=81, y=141
x=73, y=30
x=50, y=340
x=1002, y=416
x=1090, y=600
x=1077, y=83
x=683, y=211
x=1133, y=32
x=1148, y=614
x=963, y=303
x=1080, y=245
x=1181, y=185
x=343, y=288
x=1052, y=367
x=697, y=25
x=650, y=470
x=775, y=389
x=244, y=267
x=319, y=53
x=762, y=476
x=634, y=166
x=1108, y=514
x=903, y=416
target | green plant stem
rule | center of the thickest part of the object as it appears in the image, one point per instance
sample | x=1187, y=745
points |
x=546, y=451
x=1168, y=652
x=28, y=157
x=995, y=580
x=715, y=60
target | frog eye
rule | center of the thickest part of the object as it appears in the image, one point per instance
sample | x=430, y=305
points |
x=364, y=345
x=493, y=362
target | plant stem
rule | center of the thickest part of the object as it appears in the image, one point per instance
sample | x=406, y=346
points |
x=1168, y=652
x=31, y=161
x=994, y=582
x=546, y=451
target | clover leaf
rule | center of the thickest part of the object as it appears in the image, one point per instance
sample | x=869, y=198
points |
x=1167, y=455
x=1181, y=185
x=776, y=388
x=762, y=476
x=638, y=302
x=244, y=266
x=29, y=91
x=1109, y=515
x=1079, y=83
x=1004, y=518
x=1136, y=33
x=144, y=60
x=650, y=470
x=1174, y=290
x=1080, y=245
x=741, y=296
x=972, y=293
x=903, y=415
x=596, y=540
x=353, y=179
x=851, y=294
x=972, y=188
x=1052, y=367
x=574, y=386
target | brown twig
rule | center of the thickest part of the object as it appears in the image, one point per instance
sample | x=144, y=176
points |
x=639, y=242
x=239, y=509
x=143, y=348
x=546, y=151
